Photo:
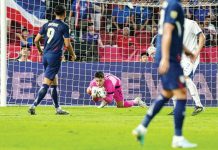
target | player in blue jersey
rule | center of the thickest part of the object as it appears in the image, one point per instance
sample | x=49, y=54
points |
x=56, y=35
x=168, y=55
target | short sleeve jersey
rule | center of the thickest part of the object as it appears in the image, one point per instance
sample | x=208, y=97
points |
x=172, y=13
x=54, y=33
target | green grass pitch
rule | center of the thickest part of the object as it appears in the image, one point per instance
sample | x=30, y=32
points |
x=89, y=128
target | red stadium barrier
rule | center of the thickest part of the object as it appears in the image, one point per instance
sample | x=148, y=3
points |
x=13, y=53
x=114, y=54
x=209, y=54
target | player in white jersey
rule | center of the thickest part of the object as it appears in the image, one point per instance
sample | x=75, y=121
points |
x=194, y=40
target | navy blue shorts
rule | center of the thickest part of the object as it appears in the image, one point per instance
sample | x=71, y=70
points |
x=174, y=78
x=52, y=65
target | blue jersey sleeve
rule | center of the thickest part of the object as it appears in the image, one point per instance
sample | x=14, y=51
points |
x=171, y=14
x=66, y=33
x=43, y=30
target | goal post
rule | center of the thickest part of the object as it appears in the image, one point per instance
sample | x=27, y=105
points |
x=3, y=49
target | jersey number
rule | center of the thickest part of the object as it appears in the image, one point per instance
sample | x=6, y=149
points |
x=50, y=34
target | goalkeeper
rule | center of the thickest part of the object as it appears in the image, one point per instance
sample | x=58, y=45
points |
x=106, y=87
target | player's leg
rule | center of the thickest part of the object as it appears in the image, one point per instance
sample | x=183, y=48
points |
x=179, y=114
x=41, y=94
x=188, y=70
x=53, y=91
x=194, y=93
x=43, y=90
x=129, y=103
x=121, y=103
x=54, y=68
x=54, y=95
x=174, y=104
x=179, y=111
x=155, y=107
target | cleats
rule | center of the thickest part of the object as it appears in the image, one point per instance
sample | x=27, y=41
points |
x=181, y=142
x=197, y=110
x=62, y=112
x=32, y=111
x=103, y=104
x=139, y=133
x=140, y=102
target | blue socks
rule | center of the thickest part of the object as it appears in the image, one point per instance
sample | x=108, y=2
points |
x=179, y=115
x=154, y=109
x=54, y=95
x=41, y=94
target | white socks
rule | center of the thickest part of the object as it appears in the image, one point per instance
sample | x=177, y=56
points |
x=193, y=92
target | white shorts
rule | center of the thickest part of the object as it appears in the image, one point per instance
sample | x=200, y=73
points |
x=187, y=66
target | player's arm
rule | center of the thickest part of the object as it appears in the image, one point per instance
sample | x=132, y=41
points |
x=109, y=88
x=21, y=38
x=89, y=90
x=109, y=96
x=201, y=42
x=37, y=43
x=69, y=48
x=187, y=51
x=165, y=51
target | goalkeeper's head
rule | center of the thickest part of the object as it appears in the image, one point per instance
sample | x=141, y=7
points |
x=99, y=78
x=60, y=11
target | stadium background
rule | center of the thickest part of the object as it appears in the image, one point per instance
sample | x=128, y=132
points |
x=116, y=56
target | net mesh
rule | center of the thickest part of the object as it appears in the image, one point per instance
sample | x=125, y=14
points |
x=107, y=36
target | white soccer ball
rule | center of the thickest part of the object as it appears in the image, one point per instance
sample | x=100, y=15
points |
x=101, y=92
x=94, y=91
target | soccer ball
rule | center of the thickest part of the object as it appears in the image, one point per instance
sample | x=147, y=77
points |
x=94, y=91
x=101, y=93
x=98, y=92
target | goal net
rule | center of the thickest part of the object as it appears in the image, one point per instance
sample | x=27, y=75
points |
x=110, y=36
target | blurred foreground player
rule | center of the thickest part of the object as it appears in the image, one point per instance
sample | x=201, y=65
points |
x=169, y=51
x=56, y=34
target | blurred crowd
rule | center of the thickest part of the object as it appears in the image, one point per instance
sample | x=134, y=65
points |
x=127, y=24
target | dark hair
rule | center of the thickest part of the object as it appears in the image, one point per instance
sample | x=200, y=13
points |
x=99, y=74
x=24, y=29
x=144, y=53
x=60, y=10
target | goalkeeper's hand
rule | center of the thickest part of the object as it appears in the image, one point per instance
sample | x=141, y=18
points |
x=98, y=92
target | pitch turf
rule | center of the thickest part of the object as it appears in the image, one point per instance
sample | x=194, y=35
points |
x=99, y=129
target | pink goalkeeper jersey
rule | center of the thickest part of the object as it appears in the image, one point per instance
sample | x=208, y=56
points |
x=111, y=82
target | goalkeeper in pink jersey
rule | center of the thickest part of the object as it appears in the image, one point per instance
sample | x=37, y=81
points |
x=111, y=86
